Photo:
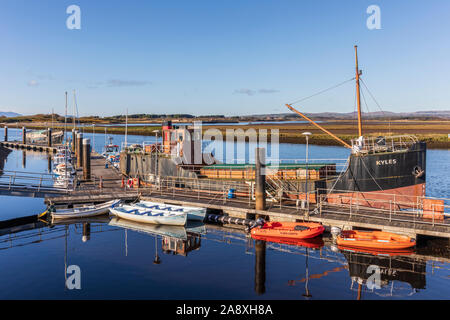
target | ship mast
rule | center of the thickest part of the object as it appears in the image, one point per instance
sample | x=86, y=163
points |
x=358, y=97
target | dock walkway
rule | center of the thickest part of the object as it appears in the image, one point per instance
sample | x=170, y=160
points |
x=342, y=217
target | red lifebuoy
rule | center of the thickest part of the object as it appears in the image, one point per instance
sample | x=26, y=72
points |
x=130, y=183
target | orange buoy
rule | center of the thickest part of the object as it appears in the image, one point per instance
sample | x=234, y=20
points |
x=374, y=240
x=289, y=230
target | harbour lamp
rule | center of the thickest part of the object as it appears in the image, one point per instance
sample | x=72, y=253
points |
x=307, y=134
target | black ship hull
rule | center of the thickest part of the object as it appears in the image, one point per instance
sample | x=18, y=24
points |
x=397, y=176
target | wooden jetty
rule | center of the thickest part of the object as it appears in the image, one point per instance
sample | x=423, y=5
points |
x=345, y=217
x=24, y=146
x=106, y=183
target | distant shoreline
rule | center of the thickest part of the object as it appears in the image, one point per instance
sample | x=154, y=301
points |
x=435, y=133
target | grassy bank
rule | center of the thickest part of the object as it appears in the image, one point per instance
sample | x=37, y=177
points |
x=435, y=133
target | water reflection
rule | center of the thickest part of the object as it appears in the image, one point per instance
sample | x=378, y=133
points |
x=24, y=159
x=260, y=267
x=402, y=274
x=405, y=269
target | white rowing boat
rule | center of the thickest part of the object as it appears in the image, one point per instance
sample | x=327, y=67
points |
x=86, y=211
x=193, y=213
x=149, y=215
x=178, y=232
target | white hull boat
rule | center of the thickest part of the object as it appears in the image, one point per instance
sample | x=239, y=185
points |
x=178, y=232
x=61, y=170
x=62, y=182
x=193, y=213
x=147, y=215
x=86, y=211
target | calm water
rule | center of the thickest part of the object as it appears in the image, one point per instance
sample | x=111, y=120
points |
x=117, y=261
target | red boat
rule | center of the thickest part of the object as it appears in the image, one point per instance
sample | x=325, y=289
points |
x=313, y=243
x=289, y=230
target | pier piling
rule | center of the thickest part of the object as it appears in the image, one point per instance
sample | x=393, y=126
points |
x=79, y=149
x=49, y=137
x=86, y=159
x=6, y=134
x=24, y=135
x=74, y=139
x=260, y=179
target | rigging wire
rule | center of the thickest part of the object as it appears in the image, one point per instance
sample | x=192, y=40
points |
x=376, y=102
x=322, y=91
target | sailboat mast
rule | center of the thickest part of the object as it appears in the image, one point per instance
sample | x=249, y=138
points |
x=65, y=122
x=126, y=128
x=74, y=112
x=66, y=147
x=358, y=97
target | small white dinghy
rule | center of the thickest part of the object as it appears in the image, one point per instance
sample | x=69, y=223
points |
x=84, y=212
x=60, y=170
x=193, y=213
x=148, y=215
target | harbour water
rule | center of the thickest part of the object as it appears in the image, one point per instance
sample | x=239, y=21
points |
x=119, y=262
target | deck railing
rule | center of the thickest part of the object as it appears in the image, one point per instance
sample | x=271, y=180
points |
x=382, y=144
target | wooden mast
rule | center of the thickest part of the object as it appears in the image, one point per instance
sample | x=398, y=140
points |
x=358, y=98
x=318, y=126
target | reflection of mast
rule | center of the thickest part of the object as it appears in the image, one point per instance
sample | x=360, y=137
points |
x=126, y=243
x=157, y=259
x=260, y=266
x=307, y=294
x=65, y=258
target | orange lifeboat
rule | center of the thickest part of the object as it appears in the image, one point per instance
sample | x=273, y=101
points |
x=314, y=243
x=378, y=252
x=374, y=240
x=289, y=230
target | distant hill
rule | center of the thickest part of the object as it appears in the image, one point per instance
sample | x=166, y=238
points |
x=9, y=114
x=445, y=115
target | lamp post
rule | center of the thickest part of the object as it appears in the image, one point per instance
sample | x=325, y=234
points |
x=156, y=151
x=93, y=136
x=307, y=134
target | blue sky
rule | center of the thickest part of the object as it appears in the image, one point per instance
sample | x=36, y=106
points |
x=221, y=57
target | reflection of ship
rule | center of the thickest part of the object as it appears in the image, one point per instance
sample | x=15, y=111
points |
x=4, y=152
x=175, y=239
x=401, y=268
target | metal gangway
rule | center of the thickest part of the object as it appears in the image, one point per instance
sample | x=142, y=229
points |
x=29, y=184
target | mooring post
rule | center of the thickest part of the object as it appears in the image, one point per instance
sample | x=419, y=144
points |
x=74, y=138
x=49, y=137
x=86, y=159
x=24, y=135
x=260, y=179
x=6, y=134
x=79, y=149
x=260, y=267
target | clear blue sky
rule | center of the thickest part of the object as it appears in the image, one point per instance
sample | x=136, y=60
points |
x=221, y=57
